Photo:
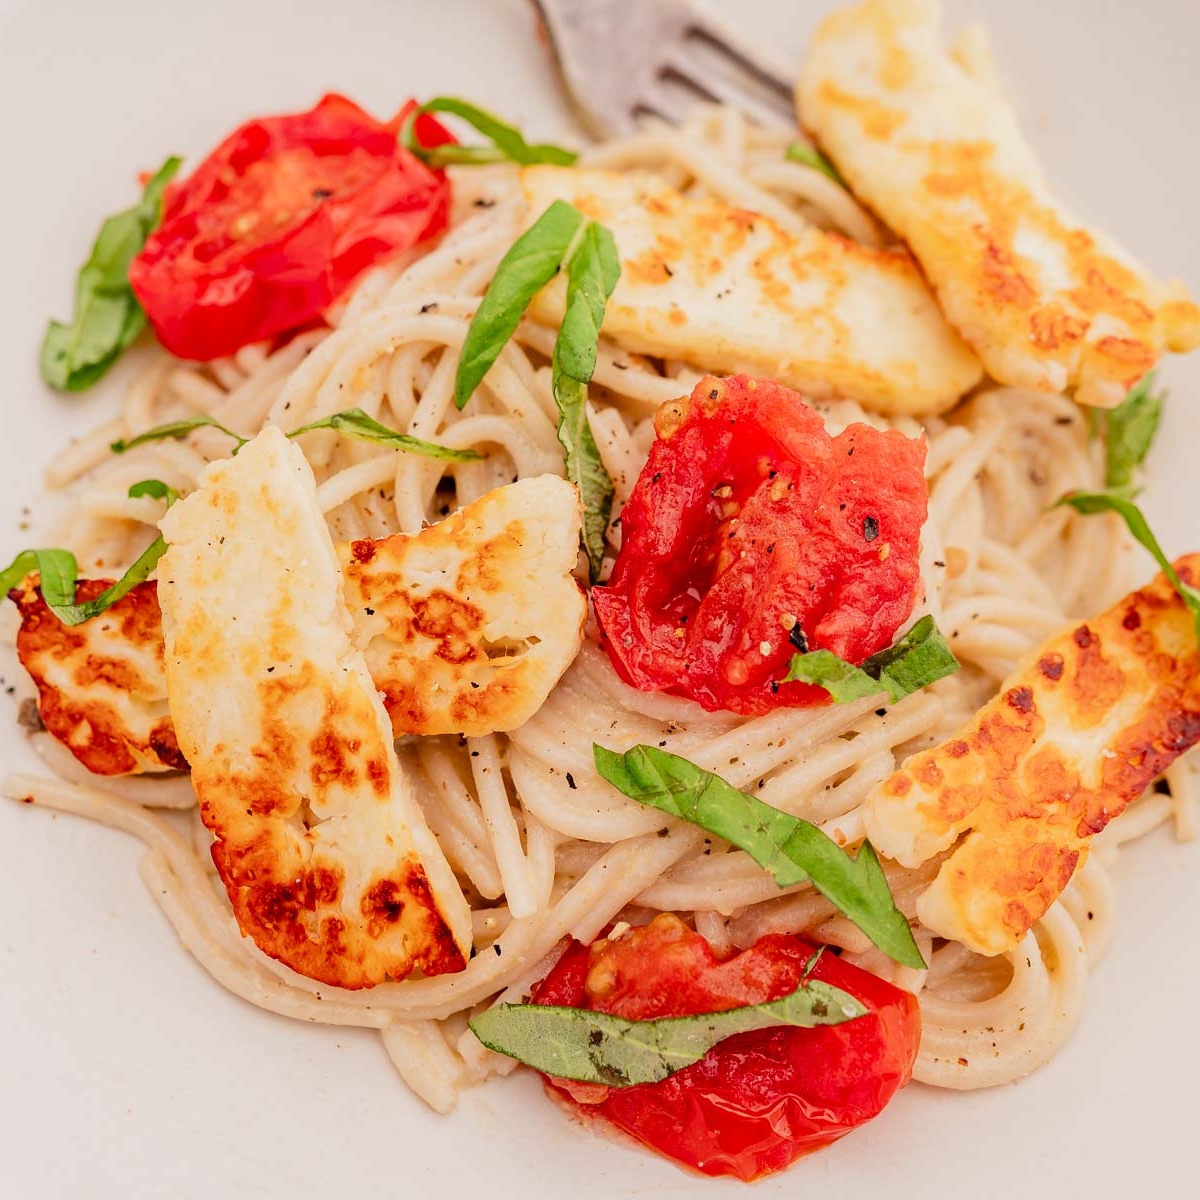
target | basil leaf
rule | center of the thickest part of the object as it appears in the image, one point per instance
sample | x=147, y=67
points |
x=793, y=850
x=355, y=422
x=919, y=658
x=592, y=273
x=507, y=142
x=1131, y=427
x=809, y=156
x=531, y=262
x=176, y=429
x=596, y=1047
x=1090, y=503
x=154, y=488
x=107, y=315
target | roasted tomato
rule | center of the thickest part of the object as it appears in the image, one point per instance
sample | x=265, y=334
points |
x=757, y=1101
x=751, y=534
x=278, y=221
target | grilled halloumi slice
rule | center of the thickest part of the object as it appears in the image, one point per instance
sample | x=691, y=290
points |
x=732, y=291
x=102, y=690
x=323, y=850
x=468, y=624
x=934, y=148
x=466, y=627
x=1094, y=718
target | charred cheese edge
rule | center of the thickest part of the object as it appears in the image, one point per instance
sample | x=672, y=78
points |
x=717, y=285
x=467, y=625
x=1096, y=715
x=320, y=843
x=102, y=689
x=934, y=148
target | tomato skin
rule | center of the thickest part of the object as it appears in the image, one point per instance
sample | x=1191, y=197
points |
x=747, y=516
x=278, y=221
x=757, y=1101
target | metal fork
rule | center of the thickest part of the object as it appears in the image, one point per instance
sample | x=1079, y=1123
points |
x=620, y=60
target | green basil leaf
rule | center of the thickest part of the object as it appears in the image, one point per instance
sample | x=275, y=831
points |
x=919, y=658
x=531, y=262
x=1131, y=427
x=592, y=273
x=793, y=850
x=812, y=157
x=1090, y=503
x=107, y=315
x=177, y=429
x=596, y=1047
x=507, y=143
x=154, y=488
x=356, y=423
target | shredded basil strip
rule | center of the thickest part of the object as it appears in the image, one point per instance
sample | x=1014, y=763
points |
x=810, y=156
x=592, y=272
x=531, y=262
x=1129, y=433
x=508, y=145
x=177, y=429
x=596, y=1047
x=919, y=658
x=59, y=570
x=358, y=424
x=1090, y=503
x=107, y=315
x=793, y=850
x=561, y=235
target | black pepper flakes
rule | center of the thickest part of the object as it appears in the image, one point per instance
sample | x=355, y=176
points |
x=571, y=781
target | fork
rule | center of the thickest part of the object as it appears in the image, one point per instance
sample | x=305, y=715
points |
x=620, y=60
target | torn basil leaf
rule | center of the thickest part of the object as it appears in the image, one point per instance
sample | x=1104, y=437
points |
x=592, y=273
x=177, y=429
x=107, y=315
x=810, y=156
x=507, y=143
x=596, y=1047
x=356, y=423
x=531, y=262
x=155, y=489
x=1129, y=432
x=919, y=658
x=1090, y=503
x=793, y=850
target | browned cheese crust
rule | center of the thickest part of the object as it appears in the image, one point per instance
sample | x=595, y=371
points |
x=102, y=689
x=1072, y=738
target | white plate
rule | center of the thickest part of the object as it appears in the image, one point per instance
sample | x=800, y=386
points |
x=124, y=1070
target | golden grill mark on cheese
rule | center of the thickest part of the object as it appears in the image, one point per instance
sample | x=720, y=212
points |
x=102, y=690
x=467, y=625
x=1073, y=737
x=326, y=857
x=731, y=290
x=934, y=148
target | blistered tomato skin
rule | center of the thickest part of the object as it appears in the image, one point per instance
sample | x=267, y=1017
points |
x=757, y=1101
x=751, y=534
x=279, y=220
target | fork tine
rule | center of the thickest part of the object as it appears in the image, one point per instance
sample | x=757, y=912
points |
x=720, y=84
x=718, y=37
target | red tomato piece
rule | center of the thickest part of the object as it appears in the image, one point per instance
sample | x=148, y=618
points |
x=757, y=1101
x=279, y=220
x=751, y=533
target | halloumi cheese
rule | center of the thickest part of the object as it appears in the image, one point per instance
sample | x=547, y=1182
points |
x=323, y=850
x=732, y=291
x=933, y=146
x=466, y=627
x=468, y=624
x=1096, y=715
x=102, y=689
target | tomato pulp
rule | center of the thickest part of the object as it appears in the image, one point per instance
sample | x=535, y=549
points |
x=752, y=534
x=757, y=1101
x=279, y=220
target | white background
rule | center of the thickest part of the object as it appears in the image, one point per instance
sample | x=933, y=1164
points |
x=124, y=1071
